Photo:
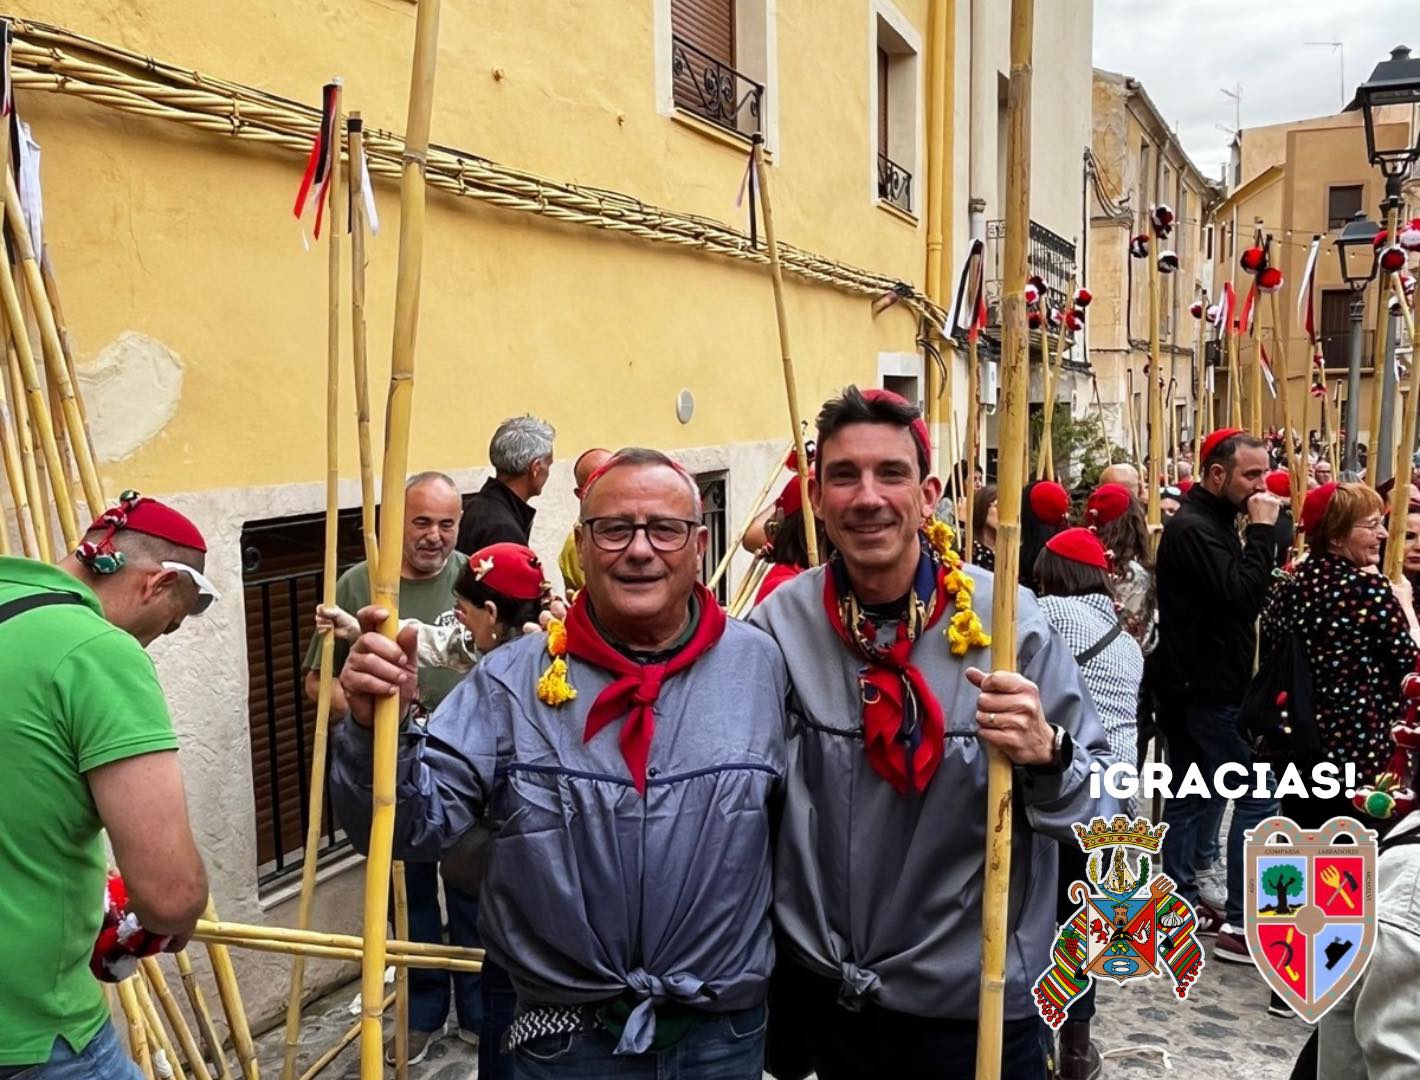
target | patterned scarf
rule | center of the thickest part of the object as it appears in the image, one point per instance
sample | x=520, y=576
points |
x=632, y=696
x=903, y=725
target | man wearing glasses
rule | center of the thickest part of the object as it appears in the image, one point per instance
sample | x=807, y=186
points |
x=88, y=746
x=624, y=765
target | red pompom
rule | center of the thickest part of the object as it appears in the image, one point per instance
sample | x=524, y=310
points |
x=1074, y=320
x=1139, y=247
x=1269, y=279
x=1196, y=309
x=1033, y=317
x=1083, y=298
x=1393, y=259
x=1032, y=293
x=122, y=941
x=1162, y=220
x=1410, y=235
x=1253, y=259
x=1168, y=262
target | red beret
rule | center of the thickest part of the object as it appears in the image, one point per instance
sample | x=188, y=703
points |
x=918, y=427
x=1314, y=507
x=1211, y=442
x=1279, y=482
x=151, y=517
x=1184, y=485
x=1106, y=503
x=1081, y=546
x=510, y=570
x=1049, y=502
x=791, y=499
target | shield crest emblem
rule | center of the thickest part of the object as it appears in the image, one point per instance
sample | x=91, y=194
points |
x=1310, y=909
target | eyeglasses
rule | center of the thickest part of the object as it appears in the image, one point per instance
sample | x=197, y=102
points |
x=1369, y=525
x=206, y=592
x=663, y=534
x=1170, y=492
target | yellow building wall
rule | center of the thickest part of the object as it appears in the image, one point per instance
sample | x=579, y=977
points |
x=190, y=239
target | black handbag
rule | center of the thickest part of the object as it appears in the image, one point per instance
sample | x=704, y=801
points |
x=1277, y=716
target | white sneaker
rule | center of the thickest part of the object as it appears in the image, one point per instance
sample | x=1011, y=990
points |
x=1212, y=885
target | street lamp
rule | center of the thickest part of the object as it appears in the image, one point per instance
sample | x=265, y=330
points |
x=1359, y=257
x=1394, y=82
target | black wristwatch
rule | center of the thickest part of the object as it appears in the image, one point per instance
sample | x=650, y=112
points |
x=1062, y=753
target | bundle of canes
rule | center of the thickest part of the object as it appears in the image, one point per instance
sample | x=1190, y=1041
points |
x=1014, y=389
x=1400, y=492
x=152, y=973
x=310, y=857
x=1045, y=467
x=1155, y=389
x=1295, y=465
x=776, y=277
x=138, y=1046
x=351, y=1034
x=157, y=1034
x=386, y=594
x=230, y=993
x=1200, y=389
x=749, y=586
x=1378, y=359
x=206, y=1029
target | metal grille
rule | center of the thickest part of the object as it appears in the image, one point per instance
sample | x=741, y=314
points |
x=713, y=90
x=282, y=581
x=894, y=183
x=712, y=495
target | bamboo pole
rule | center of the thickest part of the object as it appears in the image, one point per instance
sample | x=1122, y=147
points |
x=755, y=508
x=310, y=856
x=351, y=1034
x=358, y=225
x=937, y=192
x=1295, y=468
x=15, y=477
x=353, y=956
x=1200, y=392
x=230, y=991
x=1235, y=414
x=1336, y=432
x=396, y=461
x=781, y=316
x=152, y=971
x=1131, y=418
x=1400, y=492
x=154, y=1023
x=38, y=405
x=51, y=290
x=1015, y=385
x=206, y=1029
x=1046, y=457
x=24, y=431
x=244, y=932
x=49, y=339
x=1155, y=390
x=401, y=979
x=1378, y=362
x=973, y=436
x=138, y=1047
x=749, y=587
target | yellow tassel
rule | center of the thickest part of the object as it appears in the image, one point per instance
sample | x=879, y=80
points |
x=553, y=688
x=940, y=536
x=556, y=638
x=965, y=631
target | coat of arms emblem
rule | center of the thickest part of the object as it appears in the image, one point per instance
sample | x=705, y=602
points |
x=1130, y=924
x=1310, y=909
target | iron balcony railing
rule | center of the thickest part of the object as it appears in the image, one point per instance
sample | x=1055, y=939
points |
x=1051, y=256
x=894, y=183
x=714, y=91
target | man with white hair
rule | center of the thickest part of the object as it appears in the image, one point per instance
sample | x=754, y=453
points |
x=1122, y=472
x=521, y=454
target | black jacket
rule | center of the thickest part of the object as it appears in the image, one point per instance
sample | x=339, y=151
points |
x=1211, y=588
x=494, y=515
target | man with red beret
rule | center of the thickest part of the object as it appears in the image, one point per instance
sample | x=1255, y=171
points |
x=88, y=747
x=1211, y=589
x=879, y=865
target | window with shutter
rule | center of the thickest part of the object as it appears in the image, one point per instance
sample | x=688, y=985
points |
x=281, y=584
x=1335, y=327
x=897, y=47
x=1343, y=202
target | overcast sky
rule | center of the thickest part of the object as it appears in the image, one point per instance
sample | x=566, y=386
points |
x=1184, y=51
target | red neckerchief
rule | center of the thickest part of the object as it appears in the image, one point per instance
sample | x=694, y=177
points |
x=903, y=725
x=633, y=694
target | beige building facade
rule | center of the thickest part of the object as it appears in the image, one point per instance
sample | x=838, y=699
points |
x=1136, y=162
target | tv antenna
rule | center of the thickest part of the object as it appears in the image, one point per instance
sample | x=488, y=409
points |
x=1339, y=49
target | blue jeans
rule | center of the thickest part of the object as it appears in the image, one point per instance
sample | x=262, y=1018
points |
x=428, y=988
x=1207, y=735
x=500, y=1009
x=1206, y=854
x=102, y=1059
x=724, y=1047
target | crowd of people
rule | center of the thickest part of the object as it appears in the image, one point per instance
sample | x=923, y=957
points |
x=750, y=869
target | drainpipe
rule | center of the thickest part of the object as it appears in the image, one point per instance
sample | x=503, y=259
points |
x=983, y=121
x=938, y=187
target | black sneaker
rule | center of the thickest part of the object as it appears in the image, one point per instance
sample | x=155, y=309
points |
x=1279, y=1008
x=1210, y=919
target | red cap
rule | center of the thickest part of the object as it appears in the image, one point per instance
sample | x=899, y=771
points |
x=1107, y=503
x=918, y=427
x=151, y=517
x=1049, y=502
x=791, y=499
x=1315, y=504
x=1279, y=482
x=1081, y=546
x=510, y=570
x=1184, y=485
x=1211, y=443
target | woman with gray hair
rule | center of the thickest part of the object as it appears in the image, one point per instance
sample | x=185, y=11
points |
x=521, y=454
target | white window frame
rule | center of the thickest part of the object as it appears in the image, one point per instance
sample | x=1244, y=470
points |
x=767, y=57
x=903, y=365
x=909, y=36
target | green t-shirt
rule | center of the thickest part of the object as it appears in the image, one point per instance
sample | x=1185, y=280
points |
x=430, y=600
x=79, y=693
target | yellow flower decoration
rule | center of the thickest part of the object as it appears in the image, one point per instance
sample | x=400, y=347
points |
x=553, y=688
x=964, y=629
